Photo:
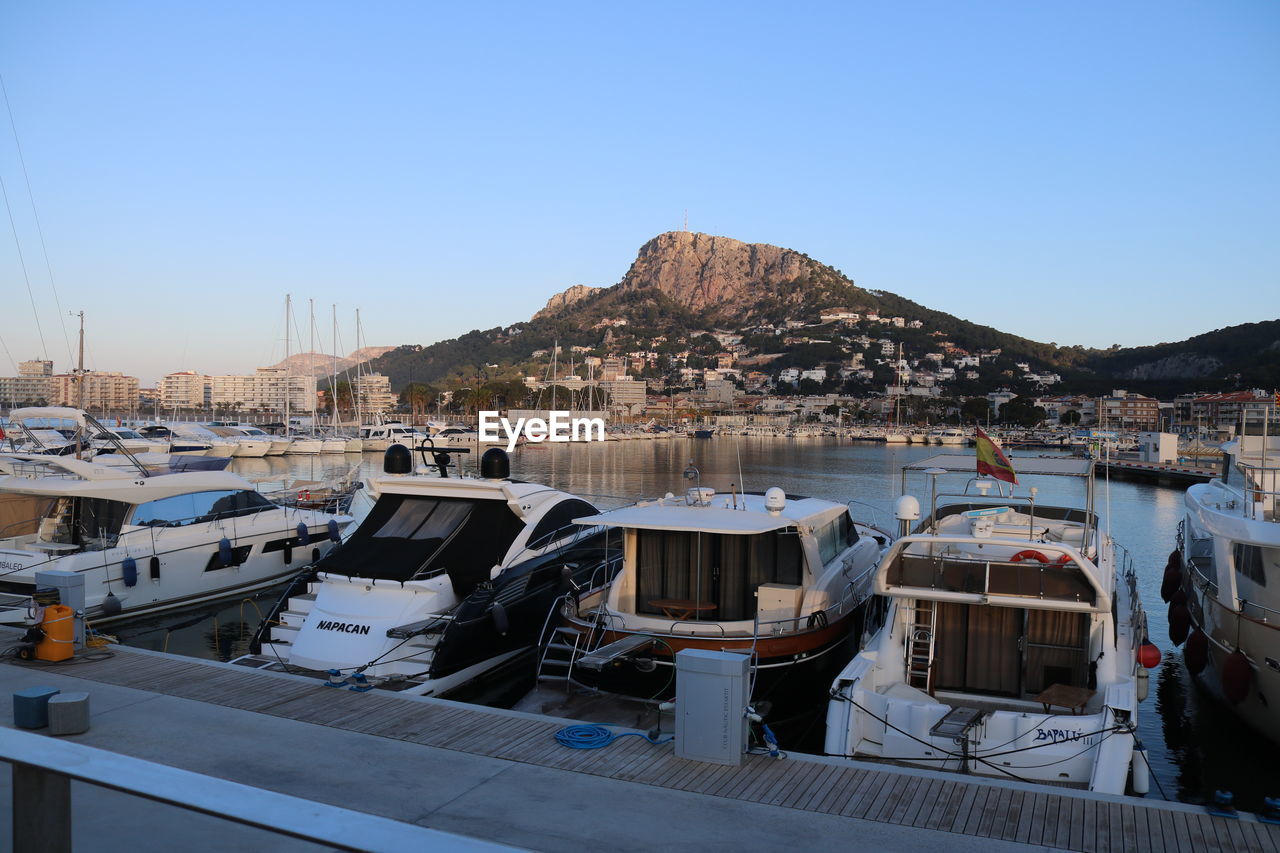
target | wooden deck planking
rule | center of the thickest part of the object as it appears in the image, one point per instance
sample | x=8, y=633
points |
x=1017, y=816
x=1257, y=838
x=849, y=796
x=905, y=799
x=997, y=805
x=786, y=783
x=923, y=797
x=802, y=798
x=960, y=805
x=967, y=823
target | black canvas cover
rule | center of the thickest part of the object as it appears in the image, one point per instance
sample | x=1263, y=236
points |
x=406, y=537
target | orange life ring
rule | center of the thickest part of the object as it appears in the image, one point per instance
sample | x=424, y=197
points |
x=1063, y=559
x=1028, y=554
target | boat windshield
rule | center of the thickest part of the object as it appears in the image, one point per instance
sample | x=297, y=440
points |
x=406, y=537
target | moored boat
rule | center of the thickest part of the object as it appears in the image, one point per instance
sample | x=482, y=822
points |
x=445, y=579
x=1223, y=582
x=785, y=580
x=146, y=533
x=1011, y=640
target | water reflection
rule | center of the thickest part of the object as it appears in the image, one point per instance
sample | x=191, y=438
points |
x=1195, y=745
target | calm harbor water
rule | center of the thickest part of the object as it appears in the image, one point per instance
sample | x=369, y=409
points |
x=1195, y=745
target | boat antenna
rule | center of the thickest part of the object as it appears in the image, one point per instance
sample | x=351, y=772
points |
x=1106, y=454
x=742, y=483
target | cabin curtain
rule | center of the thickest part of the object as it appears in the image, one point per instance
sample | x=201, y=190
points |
x=950, y=637
x=1057, y=649
x=993, y=657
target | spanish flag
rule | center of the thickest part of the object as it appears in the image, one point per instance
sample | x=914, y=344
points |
x=992, y=461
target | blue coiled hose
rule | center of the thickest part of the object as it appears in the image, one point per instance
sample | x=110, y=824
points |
x=595, y=737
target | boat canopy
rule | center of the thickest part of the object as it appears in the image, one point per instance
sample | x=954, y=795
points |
x=1061, y=466
x=64, y=413
x=410, y=537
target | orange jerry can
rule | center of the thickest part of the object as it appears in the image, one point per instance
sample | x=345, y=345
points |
x=59, y=628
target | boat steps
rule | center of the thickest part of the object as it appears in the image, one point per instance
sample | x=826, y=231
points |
x=302, y=603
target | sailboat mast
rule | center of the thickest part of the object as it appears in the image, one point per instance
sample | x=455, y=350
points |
x=288, y=379
x=311, y=358
x=333, y=384
x=356, y=395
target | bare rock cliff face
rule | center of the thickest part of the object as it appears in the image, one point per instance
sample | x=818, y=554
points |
x=1181, y=366
x=563, y=300
x=702, y=272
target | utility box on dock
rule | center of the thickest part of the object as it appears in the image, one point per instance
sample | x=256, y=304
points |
x=1157, y=447
x=711, y=705
x=70, y=587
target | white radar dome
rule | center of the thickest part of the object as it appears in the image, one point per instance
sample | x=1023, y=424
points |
x=906, y=508
x=775, y=499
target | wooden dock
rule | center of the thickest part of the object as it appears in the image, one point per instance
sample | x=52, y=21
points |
x=1175, y=473
x=1034, y=815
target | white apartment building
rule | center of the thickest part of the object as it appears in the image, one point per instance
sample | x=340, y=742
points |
x=101, y=390
x=185, y=389
x=264, y=389
x=373, y=390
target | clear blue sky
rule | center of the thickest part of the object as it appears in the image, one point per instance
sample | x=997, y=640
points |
x=1086, y=173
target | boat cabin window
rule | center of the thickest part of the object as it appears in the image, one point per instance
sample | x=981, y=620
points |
x=88, y=522
x=720, y=572
x=1008, y=651
x=1250, y=562
x=556, y=522
x=405, y=537
x=835, y=536
x=200, y=507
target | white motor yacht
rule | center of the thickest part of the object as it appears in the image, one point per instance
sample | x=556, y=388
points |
x=305, y=445
x=147, y=537
x=445, y=579
x=785, y=580
x=218, y=445
x=1010, y=643
x=175, y=444
x=1227, y=567
x=378, y=437
x=243, y=446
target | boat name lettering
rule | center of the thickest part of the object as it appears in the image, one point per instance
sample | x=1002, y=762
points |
x=8, y=566
x=558, y=426
x=1059, y=735
x=345, y=627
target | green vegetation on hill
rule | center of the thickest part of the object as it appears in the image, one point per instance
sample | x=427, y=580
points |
x=781, y=318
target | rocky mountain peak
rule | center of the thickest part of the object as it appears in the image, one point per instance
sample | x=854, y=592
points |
x=565, y=298
x=705, y=272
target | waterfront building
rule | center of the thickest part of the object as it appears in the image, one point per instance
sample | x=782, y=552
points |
x=96, y=390
x=1128, y=410
x=185, y=389
x=35, y=367
x=1222, y=412
x=264, y=389
x=373, y=390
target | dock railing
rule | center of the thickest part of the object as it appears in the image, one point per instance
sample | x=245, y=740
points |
x=44, y=767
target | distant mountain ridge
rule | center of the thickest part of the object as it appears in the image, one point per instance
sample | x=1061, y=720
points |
x=683, y=285
x=322, y=364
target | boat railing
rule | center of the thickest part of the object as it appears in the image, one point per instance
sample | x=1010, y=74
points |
x=1249, y=609
x=880, y=520
x=1048, y=580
